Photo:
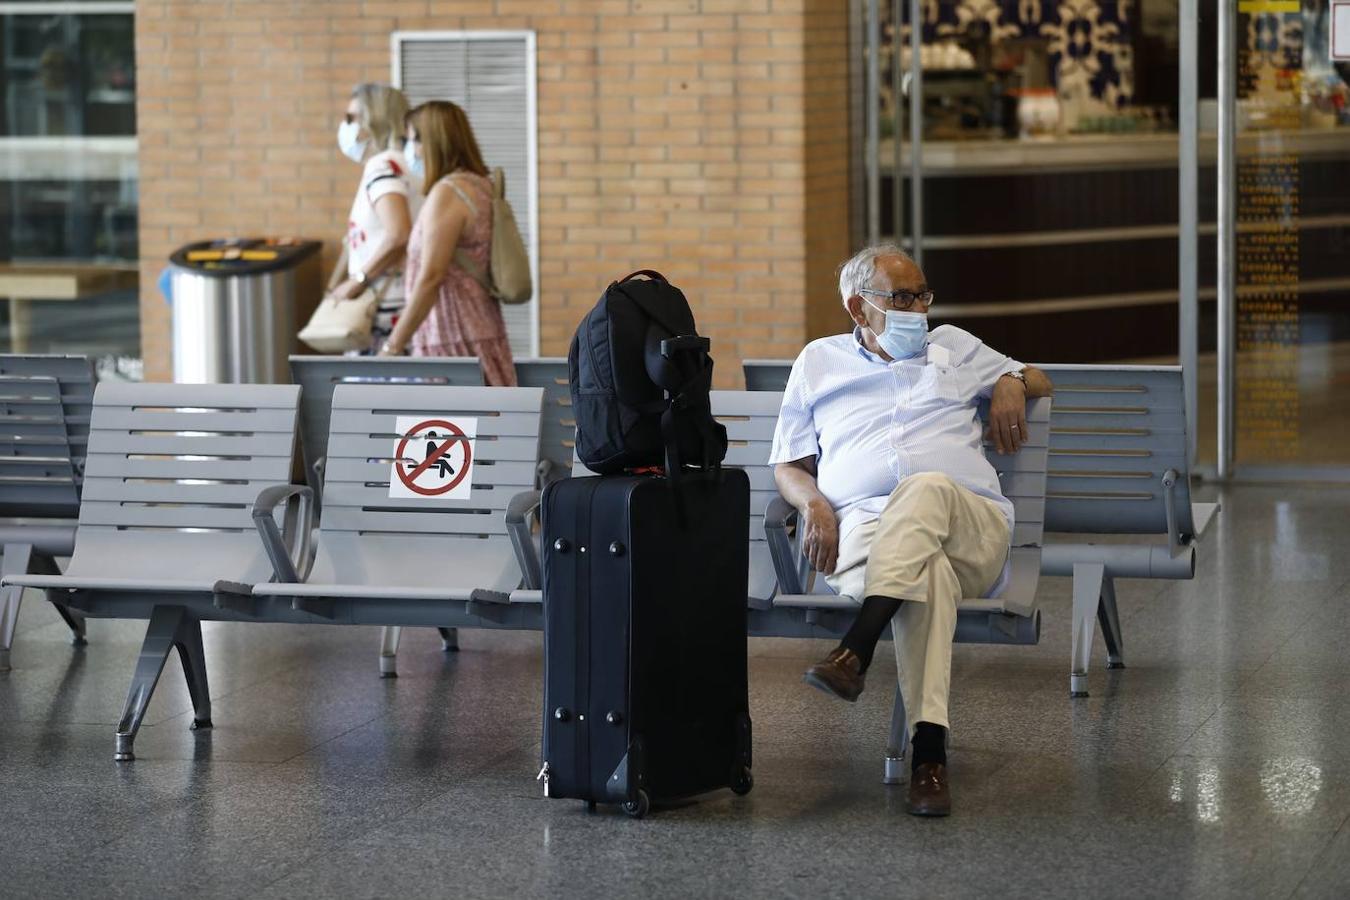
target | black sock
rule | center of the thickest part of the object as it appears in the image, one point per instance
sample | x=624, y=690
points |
x=930, y=745
x=866, y=630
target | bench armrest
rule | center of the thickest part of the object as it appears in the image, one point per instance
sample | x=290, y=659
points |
x=288, y=551
x=788, y=565
x=519, y=513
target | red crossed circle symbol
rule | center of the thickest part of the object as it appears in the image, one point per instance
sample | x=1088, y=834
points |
x=409, y=477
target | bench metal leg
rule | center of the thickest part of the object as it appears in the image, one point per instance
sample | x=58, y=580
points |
x=75, y=623
x=449, y=639
x=1088, y=579
x=898, y=742
x=20, y=559
x=170, y=627
x=17, y=559
x=389, y=637
x=1109, y=619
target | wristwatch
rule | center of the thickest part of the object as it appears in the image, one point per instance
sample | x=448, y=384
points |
x=1020, y=375
x=360, y=277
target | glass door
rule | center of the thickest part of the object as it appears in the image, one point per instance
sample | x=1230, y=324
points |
x=1283, y=379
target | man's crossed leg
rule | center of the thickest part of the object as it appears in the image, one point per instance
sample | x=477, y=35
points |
x=934, y=544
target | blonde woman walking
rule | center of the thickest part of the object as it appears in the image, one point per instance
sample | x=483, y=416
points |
x=387, y=200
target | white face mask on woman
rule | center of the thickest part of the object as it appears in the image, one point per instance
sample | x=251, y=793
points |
x=353, y=149
x=412, y=152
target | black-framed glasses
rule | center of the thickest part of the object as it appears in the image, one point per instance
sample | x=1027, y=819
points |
x=903, y=301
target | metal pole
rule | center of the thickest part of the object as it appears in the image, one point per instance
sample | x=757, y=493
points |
x=1188, y=220
x=897, y=91
x=871, y=151
x=916, y=129
x=1227, y=239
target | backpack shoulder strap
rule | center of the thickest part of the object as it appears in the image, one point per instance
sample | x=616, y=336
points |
x=454, y=185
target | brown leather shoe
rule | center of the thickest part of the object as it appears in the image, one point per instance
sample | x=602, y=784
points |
x=928, y=791
x=839, y=674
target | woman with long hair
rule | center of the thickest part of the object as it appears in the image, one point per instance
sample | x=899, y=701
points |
x=371, y=134
x=450, y=311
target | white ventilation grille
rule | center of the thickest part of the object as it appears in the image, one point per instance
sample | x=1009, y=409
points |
x=492, y=75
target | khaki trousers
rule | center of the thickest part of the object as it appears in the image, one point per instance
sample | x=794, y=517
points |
x=934, y=544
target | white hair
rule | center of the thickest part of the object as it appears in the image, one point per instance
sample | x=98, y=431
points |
x=858, y=272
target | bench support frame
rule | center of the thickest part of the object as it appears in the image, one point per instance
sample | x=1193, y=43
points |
x=1094, y=596
x=25, y=559
x=897, y=743
x=170, y=627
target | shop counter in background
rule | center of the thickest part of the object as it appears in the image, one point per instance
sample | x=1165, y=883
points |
x=23, y=283
x=1065, y=248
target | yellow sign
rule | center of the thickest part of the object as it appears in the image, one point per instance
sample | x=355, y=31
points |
x=1269, y=6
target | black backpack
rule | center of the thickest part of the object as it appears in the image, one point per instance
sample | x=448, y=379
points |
x=640, y=377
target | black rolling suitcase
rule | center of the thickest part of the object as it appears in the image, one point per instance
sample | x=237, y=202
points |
x=644, y=632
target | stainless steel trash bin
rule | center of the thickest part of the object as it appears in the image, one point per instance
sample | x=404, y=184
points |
x=236, y=308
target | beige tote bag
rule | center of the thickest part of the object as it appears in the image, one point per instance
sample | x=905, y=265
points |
x=508, y=277
x=338, y=326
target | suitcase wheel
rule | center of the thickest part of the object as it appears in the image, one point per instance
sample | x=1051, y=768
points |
x=743, y=783
x=638, y=808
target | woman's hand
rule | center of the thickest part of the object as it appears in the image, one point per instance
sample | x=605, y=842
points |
x=349, y=289
x=820, y=536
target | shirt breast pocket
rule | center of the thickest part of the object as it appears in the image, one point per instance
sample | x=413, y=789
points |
x=953, y=384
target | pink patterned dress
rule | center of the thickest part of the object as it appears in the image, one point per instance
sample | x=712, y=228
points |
x=466, y=320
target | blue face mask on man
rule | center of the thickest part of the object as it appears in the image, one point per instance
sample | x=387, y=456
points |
x=906, y=333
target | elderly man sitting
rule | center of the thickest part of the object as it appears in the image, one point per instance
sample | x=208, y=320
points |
x=879, y=449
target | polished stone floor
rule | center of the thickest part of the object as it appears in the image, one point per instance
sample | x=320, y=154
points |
x=1217, y=765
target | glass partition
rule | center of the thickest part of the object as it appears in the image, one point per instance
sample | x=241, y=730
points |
x=68, y=183
x=1292, y=312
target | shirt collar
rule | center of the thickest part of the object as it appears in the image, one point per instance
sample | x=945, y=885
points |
x=862, y=348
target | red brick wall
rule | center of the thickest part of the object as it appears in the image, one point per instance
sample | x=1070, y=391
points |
x=706, y=138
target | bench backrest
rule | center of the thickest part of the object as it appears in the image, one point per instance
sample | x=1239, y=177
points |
x=1115, y=432
x=766, y=374
x=319, y=375
x=557, y=436
x=364, y=436
x=750, y=419
x=45, y=404
x=171, y=476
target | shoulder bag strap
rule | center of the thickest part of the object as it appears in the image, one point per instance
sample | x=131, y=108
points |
x=466, y=262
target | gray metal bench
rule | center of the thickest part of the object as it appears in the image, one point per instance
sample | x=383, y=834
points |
x=1118, y=466
x=766, y=374
x=319, y=375
x=390, y=561
x=807, y=607
x=44, y=434
x=558, y=435
x=165, y=530
x=750, y=419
